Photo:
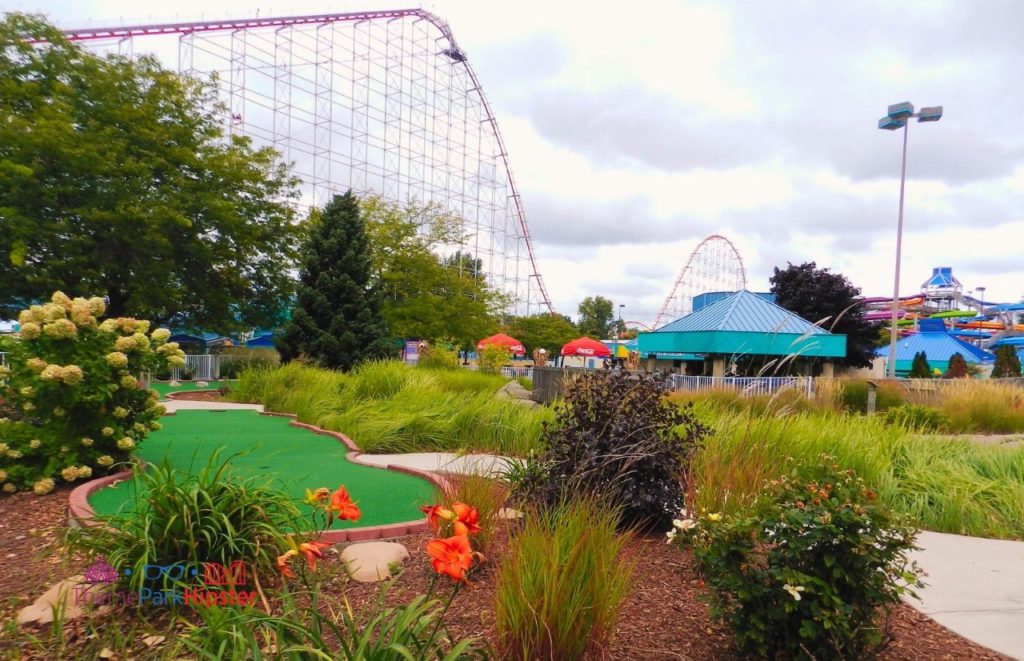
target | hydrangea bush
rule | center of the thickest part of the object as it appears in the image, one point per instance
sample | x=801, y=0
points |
x=810, y=571
x=73, y=405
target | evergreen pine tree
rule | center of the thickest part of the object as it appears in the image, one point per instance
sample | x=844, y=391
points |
x=337, y=321
x=957, y=367
x=1007, y=363
x=920, y=369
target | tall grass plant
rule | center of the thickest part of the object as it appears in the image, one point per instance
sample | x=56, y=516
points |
x=560, y=589
x=389, y=407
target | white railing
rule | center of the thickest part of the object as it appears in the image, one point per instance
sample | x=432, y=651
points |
x=745, y=385
x=517, y=372
x=203, y=367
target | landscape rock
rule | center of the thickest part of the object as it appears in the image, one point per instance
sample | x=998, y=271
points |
x=370, y=562
x=41, y=610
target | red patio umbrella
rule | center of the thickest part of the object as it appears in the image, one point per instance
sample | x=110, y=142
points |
x=501, y=340
x=585, y=346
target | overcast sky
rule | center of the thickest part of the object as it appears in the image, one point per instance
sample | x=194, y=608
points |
x=634, y=133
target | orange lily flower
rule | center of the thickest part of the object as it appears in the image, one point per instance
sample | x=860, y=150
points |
x=319, y=497
x=343, y=505
x=436, y=514
x=312, y=551
x=452, y=556
x=466, y=519
x=282, y=563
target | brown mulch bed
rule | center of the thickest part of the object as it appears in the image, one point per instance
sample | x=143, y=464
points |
x=662, y=619
x=31, y=547
x=199, y=395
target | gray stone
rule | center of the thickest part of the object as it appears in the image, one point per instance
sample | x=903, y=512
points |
x=370, y=562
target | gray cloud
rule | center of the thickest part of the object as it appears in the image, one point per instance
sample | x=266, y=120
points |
x=562, y=221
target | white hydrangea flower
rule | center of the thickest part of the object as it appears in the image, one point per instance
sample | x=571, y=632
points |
x=43, y=486
x=125, y=444
x=30, y=330
x=34, y=443
x=117, y=360
x=84, y=472
x=105, y=461
x=70, y=474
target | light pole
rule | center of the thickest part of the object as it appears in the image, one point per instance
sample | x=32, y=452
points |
x=899, y=117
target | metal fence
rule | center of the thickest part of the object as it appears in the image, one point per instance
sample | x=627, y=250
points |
x=745, y=385
x=517, y=372
x=204, y=367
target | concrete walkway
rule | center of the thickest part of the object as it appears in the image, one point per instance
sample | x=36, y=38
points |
x=442, y=462
x=975, y=588
x=189, y=405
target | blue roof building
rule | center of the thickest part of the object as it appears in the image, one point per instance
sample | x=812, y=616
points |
x=937, y=344
x=741, y=324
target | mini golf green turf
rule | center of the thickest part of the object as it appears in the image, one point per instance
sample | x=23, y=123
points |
x=291, y=459
x=164, y=387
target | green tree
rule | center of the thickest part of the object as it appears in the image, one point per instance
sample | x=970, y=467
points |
x=116, y=179
x=597, y=317
x=423, y=295
x=337, y=322
x=543, y=331
x=957, y=367
x=919, y=368
x=1007, y=363
x=829, y=300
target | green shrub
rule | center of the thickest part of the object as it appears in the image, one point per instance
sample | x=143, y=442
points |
x=559, y=591
x=853, y=396
x=75, y=404
x=913, y=416
x=439, y=356
x=181, y=517
x=492, y=358
x=618, y=436
x=1007, y=363
x=810, y=570
x=919, y=368
x=235, y=361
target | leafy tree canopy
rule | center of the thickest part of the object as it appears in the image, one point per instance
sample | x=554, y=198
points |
x=597, y=317
x=116, y=179
x=337, y=322
x=829, y=300
x=425, y=296
x=543, y=331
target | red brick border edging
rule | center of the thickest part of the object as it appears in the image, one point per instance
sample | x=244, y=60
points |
x=82, y=513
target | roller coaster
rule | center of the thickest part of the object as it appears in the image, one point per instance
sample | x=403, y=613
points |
x=382, y=102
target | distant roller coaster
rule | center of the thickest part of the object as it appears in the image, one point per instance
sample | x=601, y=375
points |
x=714, y=265
x=383, y=102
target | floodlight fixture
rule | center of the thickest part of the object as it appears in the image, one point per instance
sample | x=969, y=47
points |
x=898, y=117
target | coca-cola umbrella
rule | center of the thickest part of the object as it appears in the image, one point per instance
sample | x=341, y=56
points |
x=501, y=340
x=584, y=346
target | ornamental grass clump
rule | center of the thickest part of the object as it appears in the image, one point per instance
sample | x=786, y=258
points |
x=810, y=570
x=560, y=590
x=74, y=404
x=618, y=437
